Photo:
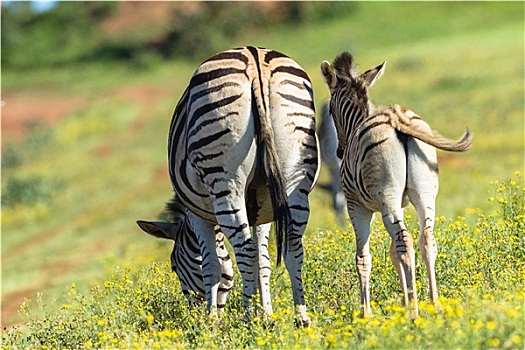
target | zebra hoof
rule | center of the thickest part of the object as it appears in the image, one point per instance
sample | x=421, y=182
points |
x=303, y=322
x=438, y=306
x=366, y=313
x=414, y=313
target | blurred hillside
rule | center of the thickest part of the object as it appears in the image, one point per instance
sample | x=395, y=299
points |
x=139, y=31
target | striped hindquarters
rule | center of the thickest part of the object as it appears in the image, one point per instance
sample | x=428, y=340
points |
x=234, y=98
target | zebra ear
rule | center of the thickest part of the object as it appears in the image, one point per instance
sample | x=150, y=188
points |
x=329, y=74
x=373, y=74
x=159, y=229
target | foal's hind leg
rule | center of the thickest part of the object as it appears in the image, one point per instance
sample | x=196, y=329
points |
x=422, y=189
x=424, y=200
x=427, y=242
x=361, y=218
x=402, y=254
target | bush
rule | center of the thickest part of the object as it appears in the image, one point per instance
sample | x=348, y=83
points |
x=38, y=137
x=27, y=191
x=61, y=35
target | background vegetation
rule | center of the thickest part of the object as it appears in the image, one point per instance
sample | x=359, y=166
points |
x=73, y=186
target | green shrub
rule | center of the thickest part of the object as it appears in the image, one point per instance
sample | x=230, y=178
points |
x=39, y=136
x=27, y=191
x=64, y=34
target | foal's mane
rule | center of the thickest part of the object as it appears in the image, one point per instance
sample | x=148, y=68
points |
x=344, y=66
x=348, y=71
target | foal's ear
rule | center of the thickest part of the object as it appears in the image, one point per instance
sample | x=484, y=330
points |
x=372, y=75
x=329, y=74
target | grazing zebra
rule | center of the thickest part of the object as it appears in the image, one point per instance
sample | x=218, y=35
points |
x=242, y=151
x=388, y=159
x=328, y=145
x=186, y=259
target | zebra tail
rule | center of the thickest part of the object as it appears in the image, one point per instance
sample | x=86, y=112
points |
x=435, y=139
x=276, y=182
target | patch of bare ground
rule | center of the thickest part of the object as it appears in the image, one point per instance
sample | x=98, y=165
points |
x=19, y=109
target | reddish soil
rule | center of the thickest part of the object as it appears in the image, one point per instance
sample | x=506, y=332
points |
x=23, y=108
x=20, y=109
x=131, y=16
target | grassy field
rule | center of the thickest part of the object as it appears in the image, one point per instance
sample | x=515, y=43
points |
x=70, y=244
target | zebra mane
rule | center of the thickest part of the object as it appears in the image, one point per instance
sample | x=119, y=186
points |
x=174, y=208
x=344, y=66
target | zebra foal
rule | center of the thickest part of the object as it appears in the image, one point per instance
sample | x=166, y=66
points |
x=388, y=160
x=242, y=151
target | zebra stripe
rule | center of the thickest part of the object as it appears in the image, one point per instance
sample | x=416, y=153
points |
x=388, y=160
x=242, y=152
x=186, y=259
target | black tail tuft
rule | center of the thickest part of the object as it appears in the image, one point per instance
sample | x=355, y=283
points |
x=281, y=212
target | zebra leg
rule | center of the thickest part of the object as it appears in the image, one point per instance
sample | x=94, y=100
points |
x=233, y=220
x=428, y=247
x=262, y=233
x=426, y=240
x=293, y=257
x=226, y=283
x=211, y=267
x=422, y=189
x=361, y=219
x=338, y=196
x=402, y=255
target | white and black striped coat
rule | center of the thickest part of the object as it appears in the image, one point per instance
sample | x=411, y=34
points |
x=242, y=151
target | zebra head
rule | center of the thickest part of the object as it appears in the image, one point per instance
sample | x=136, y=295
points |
x=349, y=101
x=168, y=230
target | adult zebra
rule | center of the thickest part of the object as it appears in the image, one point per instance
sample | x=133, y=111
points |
x=186, y=258
x=328, y=144
x=242, y=151
x=388, y=159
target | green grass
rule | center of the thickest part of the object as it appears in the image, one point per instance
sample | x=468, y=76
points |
x=108, y=161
